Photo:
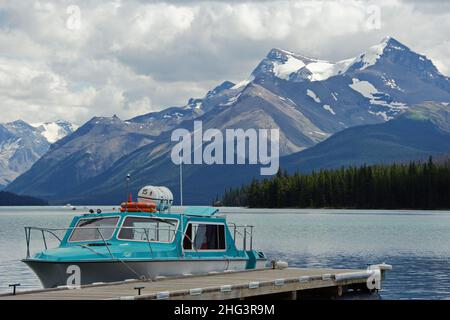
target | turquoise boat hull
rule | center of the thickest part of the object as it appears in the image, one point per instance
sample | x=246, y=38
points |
x=54, y=274
x=114, y=258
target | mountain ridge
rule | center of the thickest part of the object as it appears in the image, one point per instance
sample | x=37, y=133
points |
x=22, y=144
x=408, y=137
x=376, y=87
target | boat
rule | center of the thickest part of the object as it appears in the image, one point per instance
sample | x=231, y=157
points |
x=69, y=206
x=132, y=244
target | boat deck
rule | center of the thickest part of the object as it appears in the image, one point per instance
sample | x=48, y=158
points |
x=289, y=283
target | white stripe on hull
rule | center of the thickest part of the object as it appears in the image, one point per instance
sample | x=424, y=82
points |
x=56, y=274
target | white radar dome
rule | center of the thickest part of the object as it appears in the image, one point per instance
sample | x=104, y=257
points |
x=161, y=196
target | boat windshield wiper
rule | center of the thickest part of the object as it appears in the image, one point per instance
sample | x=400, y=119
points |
x=89, y=221
x=98, y=244
x=163, y=219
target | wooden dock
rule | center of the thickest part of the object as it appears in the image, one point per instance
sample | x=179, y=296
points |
x=288, y=283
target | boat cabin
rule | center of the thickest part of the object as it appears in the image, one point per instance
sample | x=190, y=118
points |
x=197, y=232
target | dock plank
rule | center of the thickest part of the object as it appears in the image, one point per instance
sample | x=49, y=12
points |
x=209, y=284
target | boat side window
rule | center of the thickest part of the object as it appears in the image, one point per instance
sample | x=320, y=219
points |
x=93, y=229
x=151, y=229
x=187, y=241
x=202, y=236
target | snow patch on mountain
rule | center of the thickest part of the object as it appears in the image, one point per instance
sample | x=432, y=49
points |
x=370, y=57
x=231, y=100
x=287, y=100
x=8, y=148
x=381, y=114
x=316, y=70
x=283, y=69
x=54, y=131
x=289, y=66
x=329, y=109
x=365, y=88
x=391, y=83
x=243, y=83
x=195, y=105
x=7, y=151
x=313, y=95
x=368, y=90
x=322, y=70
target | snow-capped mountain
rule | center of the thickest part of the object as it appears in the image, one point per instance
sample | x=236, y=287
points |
x=22, y=144
x=100, y=142
x=308, y=99
x=287, y=65
x=372, y=87
x=54, y=131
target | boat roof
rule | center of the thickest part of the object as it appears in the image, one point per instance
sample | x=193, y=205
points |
x=194, y=211
x=200, y=211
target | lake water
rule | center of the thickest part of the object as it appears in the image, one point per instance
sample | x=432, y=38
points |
x=416, y=243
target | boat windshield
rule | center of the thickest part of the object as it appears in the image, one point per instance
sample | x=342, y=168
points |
x=148, y=229
x=93, y=229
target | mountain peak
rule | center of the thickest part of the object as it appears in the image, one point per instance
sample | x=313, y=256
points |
x=22, y=144
x=276, y=53
x=287, y=65
x=61, y=122
x=280, y=63
x=281, y=55
x=19, y=123
x=388, y=45
x=100, y=119
x=391, y=43
x=220, y=88
x=389, y=54
x=55, y=130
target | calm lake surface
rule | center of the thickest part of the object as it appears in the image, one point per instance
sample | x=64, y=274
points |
x=416, y=243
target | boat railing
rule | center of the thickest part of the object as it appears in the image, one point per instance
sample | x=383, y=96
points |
x=144, y=231
x=245, y=233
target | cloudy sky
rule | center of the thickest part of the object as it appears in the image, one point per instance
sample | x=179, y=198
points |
x=76, y=59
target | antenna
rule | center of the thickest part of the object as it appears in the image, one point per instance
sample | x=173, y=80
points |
x=181, y=199
x=181, y=182
x=181, y=202
x=128, y=182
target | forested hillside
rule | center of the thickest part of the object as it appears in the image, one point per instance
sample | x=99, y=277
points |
x=421, y=185
x=12, y=199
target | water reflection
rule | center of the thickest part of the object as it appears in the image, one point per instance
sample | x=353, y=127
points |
x=416, y=243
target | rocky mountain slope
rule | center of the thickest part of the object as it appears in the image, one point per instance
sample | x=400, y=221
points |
x=419, y=132
x=308, y=99
x=22, y=144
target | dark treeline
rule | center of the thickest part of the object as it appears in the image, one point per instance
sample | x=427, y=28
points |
x=12, y=199
x=417, y=185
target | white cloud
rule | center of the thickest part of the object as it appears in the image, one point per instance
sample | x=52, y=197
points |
x=132, y=57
